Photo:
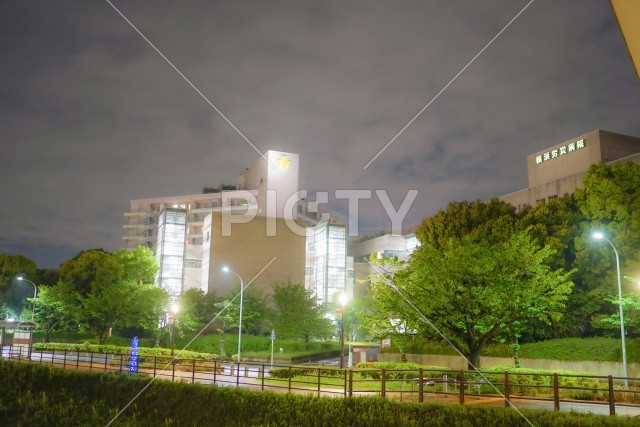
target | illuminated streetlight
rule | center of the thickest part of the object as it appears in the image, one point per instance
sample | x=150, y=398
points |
x=172, y=321
x=227, y=270
x=35, y=292
x=600, y=236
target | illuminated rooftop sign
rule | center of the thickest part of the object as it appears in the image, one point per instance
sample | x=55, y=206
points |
x=560, y=151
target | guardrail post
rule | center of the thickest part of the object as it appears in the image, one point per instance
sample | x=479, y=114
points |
x=90, y=361
x=383, y=383
x=106, y=359
x=344, y=381
x=77, y=360
x=290, y=376
x=506, y=389
x=121, y=362
x=215, y=370
x=461, y=387
x=612, y=397
x=173, y=369
x=262, y=375
x=193, y=372
x=319, y=374
x=64, y=361
x=556, y=393
x=421, y=386
x=350, y=382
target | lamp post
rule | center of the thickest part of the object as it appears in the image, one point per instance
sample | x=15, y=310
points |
x=340, y=311
x=35, y=292
x=172, y=321
x=227, y=270
x=600, y=236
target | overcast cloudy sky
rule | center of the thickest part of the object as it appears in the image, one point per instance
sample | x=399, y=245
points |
x=92, y=116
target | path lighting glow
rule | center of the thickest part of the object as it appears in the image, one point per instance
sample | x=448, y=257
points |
x=35, y=294
x=598, y=235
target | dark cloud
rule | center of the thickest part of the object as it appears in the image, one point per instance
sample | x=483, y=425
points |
x=91, y=116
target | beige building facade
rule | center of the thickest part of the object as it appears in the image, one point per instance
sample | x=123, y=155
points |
x=260, y=228
x=558, y=170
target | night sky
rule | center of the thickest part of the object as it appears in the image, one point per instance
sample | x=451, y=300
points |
x=92, y=116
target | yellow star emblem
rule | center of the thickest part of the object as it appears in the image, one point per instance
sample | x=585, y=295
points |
x=284, y=162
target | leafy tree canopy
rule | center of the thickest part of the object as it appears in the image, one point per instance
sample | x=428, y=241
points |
x=297, y=314
x=489, y=221
x=474, y=292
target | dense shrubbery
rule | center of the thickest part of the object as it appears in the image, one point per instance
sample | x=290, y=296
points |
x=592, y=349
x=300, y=371
x=397, y=370
x=41, y=395
x=113, y=349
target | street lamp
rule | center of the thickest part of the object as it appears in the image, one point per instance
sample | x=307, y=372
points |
x=35, y=292
x=172, y=321
x=600, y=236
x=227, y=270
x=340, y=311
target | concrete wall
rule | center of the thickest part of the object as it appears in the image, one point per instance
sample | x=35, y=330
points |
x=457, y=362
x=249, y=249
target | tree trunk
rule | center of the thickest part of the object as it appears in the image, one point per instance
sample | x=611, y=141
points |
x=474, y=359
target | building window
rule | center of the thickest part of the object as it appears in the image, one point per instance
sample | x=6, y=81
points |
x=540, y=202
x=555, y=196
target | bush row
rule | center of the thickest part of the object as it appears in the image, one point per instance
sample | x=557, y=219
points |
x=113, y=349
x=41, y=396
x=601, y=349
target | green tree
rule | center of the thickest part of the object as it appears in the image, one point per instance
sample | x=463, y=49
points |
x=383, y=313
x=197, y=308
x=52, y=310
x=14, y=293
x=475, y=291
x=491, y=221
x=609, y=201
x=297, y=313
x=557, y=224
x=90, y=271
x=610, y=198
x=105, y=291
x=255, y=311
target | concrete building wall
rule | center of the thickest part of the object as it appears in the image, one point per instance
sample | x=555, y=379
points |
x=279, y=173
x=379, y=244
x=249, y=249
x=562, y=174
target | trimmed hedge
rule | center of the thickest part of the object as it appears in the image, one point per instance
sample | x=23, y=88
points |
x=599, y=349
x=114, y=349
x=41, y=396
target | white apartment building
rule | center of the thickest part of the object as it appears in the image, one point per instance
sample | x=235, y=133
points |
x=261, y=223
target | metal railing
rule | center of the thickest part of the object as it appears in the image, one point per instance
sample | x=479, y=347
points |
x=553, y=391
